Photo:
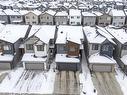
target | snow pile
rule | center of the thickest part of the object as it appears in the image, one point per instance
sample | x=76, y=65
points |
x=122, y=79
x=87, y=85
x=25, y=81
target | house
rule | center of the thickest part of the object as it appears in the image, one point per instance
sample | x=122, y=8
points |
x=61, y=18
x=11, y=36
x=68, y=48
x=14, y=16
x=89, y=19
x=120, y=37
x=32, y=17
x=118, y=17
x=75, y=17
x=47, y=17
x=103, y=19
x=39, y=47
x=3, y=17
x=99, y=49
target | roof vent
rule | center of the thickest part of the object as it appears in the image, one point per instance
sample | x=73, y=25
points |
x=61, y=32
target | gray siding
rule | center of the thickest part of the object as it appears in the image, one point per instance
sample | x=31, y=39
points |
x=89, y=21
x=34, y=66
x=61, y=20
x=61, y=49
x=4, y=18
x=46, y=19
x=5, y=65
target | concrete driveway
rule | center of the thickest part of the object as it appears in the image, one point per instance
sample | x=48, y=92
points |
x=106, y=84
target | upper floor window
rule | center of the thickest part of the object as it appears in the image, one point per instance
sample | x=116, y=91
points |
x=95, y=47
x=18, y=16
x=29, y=46
x=47, y=17
x=33, y=17
x=105, y=47
x=121, y=17
x=12, y=16
x=125, y=47
x=78, y=17
x=40, y=47
x=72, y=17
x=27, y=17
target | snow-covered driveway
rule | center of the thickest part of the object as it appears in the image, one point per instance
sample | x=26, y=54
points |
x=67, y=83
x=28, y=81
x=106, y=84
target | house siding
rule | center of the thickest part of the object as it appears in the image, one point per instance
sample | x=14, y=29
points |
x=61, y=20
x=46, y=19
x=61, y=49
x=4, y=18
x=89, y=21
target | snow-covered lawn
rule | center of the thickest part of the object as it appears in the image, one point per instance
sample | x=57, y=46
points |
x=28, y=81
x=122, y=80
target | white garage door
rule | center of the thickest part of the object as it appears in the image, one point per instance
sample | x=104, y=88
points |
x=102, y=68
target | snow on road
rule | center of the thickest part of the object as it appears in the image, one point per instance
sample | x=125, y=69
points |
x=122, y=80
x=28, y=81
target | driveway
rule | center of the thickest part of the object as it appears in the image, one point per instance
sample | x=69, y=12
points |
x=67, y=82
x=106, y=84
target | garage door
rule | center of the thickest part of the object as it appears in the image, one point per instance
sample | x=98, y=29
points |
x=102, y=68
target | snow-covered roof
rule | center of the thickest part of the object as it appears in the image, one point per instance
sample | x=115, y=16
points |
x=88, y=14
x=11, y=12
x=11, y=33
x=63, y=13
x=2, y=12
x=43, y=32
x=36, y=12
x=105, y=33
x=70, y=33
x=51, y=12
x=115, y=12
x=98, y=59
x=119, y=34
x=97, y=13
x=6, y=57
x=23, y=12
x=93, y=36
x=62, y=58
x=29, y=57
x=74, y=12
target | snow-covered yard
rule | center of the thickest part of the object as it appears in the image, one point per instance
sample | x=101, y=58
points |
x=28, y=81
x=122, y=80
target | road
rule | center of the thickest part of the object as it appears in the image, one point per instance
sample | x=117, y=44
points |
x=67, y=82
x=106, y=84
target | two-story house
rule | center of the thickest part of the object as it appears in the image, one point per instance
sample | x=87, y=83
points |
x=61, y=18
x=99, y=49
x=118, y=17
x=38, y=47
x=3, y=17
x=75, y=17
x=32, y=17
x=11, y=36
x=120, y=37
x=47, y=17
x=88, y=19
x=14, y=16
x=68, y=47
x=102, y=19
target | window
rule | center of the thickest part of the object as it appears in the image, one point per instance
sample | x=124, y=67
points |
x=27, y=17
x=47, y=17
x=7, y=47
x=78, y=17
x=125, y=47
x=72, y=49
x=94, y=47
x=72, y=17
x=114, y=24
x=78, y=23
x=33, y=17
x=29, y=46
x=12, y=16
x=42, y=17
x=121, y=17
x=1, y=48
x=34, y=22
x=40, y=47
x=72, y=22
x=105, y=47
x=18, y=16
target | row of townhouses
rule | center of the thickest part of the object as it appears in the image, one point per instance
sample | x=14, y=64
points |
x=73, y=17
x=36, y=46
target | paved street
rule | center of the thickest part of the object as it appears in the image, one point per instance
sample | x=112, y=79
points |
x=67, y=82
x=106, y=84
